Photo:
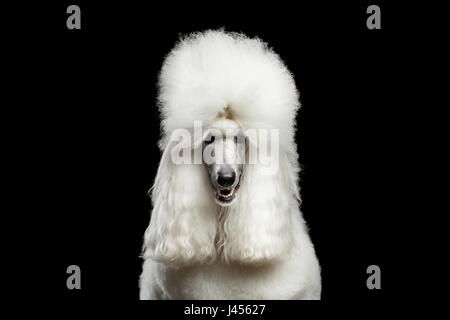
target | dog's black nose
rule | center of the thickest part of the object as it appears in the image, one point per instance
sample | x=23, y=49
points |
x=226, y=179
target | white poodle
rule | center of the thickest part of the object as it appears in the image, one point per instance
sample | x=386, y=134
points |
x=227, y=226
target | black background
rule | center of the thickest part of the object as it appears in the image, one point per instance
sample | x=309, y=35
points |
x=92, y=132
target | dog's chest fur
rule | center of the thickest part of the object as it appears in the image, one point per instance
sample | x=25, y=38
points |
x=297, y=277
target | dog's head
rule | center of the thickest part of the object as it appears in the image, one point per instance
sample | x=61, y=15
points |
x=223, y=149
x=223, y=206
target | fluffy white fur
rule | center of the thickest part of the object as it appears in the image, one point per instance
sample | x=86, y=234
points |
x=258, y=247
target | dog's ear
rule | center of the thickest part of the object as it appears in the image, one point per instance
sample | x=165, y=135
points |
x=182, y=227
x=259, y=228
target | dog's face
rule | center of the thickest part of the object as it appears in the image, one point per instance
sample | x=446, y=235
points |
x=224, y=155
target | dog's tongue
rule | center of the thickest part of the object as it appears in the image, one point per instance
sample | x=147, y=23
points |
x=226, y=193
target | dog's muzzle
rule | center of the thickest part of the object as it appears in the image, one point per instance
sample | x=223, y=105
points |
x=227, y=187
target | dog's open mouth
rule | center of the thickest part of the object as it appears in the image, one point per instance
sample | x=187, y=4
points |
x=226, y=196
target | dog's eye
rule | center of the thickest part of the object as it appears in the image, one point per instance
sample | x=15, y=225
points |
x=210, y=139
x=239, y=139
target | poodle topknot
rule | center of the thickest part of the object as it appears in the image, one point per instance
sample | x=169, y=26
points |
x=208, y=72
x=258, y=246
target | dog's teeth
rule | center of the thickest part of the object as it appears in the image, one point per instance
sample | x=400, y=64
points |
x=226, y=194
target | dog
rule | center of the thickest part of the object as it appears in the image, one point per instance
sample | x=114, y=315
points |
x=226, y=227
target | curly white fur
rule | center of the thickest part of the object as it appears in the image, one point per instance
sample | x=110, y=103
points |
x=257, y=248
